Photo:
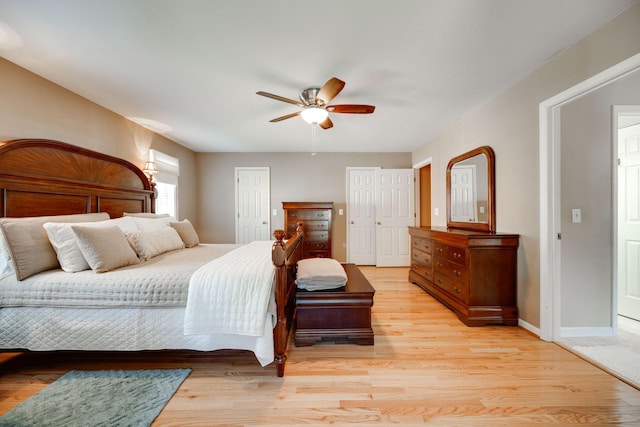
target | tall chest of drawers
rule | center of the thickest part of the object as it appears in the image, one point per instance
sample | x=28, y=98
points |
x=474, y=273
x=316, y=217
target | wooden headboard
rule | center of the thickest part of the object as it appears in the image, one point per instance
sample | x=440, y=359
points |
x=45, y=177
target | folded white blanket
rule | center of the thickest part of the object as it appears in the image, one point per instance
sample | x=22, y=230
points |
x=315, y=274
x=231, y=294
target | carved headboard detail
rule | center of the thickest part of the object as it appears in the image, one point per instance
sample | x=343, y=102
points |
x=46, y=177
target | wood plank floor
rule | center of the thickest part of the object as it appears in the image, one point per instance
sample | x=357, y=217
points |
x=426, y=367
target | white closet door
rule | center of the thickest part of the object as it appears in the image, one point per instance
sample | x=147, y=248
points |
x=252, y=204
x=394, y=215
x=361, y=216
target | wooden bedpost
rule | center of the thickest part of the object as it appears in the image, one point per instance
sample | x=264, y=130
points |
x=280, y=334
x=284, y=255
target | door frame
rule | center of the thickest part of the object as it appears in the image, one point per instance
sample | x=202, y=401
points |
x=417, y=202
x=549, y=150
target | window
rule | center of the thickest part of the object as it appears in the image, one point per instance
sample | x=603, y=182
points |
x=166, y=180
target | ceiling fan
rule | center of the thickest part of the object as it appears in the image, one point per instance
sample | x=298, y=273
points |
x=314, y=103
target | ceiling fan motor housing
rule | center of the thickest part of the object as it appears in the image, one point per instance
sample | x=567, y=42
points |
x=308, y=96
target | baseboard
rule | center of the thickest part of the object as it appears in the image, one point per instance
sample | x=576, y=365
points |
x=596, y=331
x=529, y=327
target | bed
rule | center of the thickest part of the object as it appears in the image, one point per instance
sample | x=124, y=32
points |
x=141, y=306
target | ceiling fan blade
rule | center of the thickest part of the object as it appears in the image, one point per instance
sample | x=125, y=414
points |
x=326, y=123
x=351, y=109
x=329, y=91
x=288, y=116
x=280, y=98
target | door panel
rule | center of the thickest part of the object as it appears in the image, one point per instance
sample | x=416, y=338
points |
x=253, y=204
x=361, y=220
x=394, y=216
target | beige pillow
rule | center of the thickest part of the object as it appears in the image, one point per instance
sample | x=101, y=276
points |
x=148, y=244
x=64, y=241
x=104, y=248
x=187, y=233
x=29, y=246
x=149, y=224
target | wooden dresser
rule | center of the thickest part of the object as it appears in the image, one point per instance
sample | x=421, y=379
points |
x=316, y=217
x=474, y=273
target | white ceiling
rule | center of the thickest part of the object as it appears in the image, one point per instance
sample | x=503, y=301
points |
x=196, y=65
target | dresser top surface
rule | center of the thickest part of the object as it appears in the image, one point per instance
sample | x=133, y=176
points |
x=307, y=205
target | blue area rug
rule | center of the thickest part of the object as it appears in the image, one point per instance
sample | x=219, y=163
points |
x=99, y=398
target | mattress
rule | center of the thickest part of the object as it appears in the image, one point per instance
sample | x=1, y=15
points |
x=162, y=281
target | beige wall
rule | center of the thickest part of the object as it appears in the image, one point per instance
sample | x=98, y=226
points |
x=509, y=124
x=295, y=177
x=33, y=107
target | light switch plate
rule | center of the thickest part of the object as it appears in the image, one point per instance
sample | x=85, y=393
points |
x=576, y=215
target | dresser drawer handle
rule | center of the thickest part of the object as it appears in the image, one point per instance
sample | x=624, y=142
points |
x=455, y=288
x=457, y=273
x=457, y=255
x=439, y=250
x=439, y=265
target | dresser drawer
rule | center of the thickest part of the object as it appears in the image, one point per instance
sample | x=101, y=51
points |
x=316, y=246
x=422, y=258
x=423, y=271
x=316, y=225
x=421, y=244
x=314, y=236
x=451, y=253
x=308, y=214
x=453, y=287
x=452, y=269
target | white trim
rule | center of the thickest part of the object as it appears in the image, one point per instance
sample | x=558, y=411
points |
x=549, y=150
x=423, y=163
x=529, y=327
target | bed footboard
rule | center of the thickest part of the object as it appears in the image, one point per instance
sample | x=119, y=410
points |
x=285, y=255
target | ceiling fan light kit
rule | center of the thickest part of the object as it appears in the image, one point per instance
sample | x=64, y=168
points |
x=314, y=102
x=314, y=114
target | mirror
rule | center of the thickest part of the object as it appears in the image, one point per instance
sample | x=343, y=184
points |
x=471, y=190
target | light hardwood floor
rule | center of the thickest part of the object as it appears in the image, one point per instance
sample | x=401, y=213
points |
x=426, y=367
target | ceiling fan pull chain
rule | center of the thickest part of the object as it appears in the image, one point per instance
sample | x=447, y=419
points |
x=314, y=127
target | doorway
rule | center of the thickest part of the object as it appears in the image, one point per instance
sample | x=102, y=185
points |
x=626, y=121
x=550, y=201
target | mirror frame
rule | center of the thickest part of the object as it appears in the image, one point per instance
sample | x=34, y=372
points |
x=490, y=225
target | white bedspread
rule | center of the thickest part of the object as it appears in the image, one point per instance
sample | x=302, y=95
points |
x=231, y=294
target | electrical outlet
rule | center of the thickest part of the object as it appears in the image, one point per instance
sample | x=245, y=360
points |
x=275, y=212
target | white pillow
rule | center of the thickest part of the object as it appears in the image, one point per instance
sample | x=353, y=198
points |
x=104, y=248
x=149, y=224
x=28, y=243
x=187, y=233
x=148, y=244
x=6, y=265
x=64, y=241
